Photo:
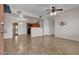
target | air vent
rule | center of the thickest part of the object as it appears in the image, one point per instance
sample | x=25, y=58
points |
x=19, y=12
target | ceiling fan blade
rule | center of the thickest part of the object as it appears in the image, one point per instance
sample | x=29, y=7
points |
x=48, y=9
x=48, y=12
x=59, y=9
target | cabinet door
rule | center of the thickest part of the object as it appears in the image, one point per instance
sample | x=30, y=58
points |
x=1, y=29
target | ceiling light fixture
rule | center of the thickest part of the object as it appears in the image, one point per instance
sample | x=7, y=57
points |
x=53, y=13
x=21, y=17
x=21, y=23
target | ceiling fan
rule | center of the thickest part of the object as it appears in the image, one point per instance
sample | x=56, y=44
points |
x=53, y=10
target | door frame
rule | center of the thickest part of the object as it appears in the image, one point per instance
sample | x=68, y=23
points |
x=1, y=29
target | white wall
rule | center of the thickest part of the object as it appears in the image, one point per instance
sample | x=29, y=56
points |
x=10, y=19
x=71, y=29
x=22, y=29
x=8, y=26
x=52, y=27
x=48, y=26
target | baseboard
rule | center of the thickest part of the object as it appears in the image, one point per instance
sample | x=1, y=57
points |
x=68, y=38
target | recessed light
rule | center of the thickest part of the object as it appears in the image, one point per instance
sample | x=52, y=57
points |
x=18, y=19
x=21, y=23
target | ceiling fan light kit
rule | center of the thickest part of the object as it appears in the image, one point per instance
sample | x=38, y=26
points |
x=53, y=11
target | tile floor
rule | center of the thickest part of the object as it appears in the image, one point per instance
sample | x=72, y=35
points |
x=47, y=45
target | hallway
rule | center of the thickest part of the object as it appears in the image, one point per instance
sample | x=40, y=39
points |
x=47, y=45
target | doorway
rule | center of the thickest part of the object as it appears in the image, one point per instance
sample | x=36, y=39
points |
x=28, y=29
x=15, y=30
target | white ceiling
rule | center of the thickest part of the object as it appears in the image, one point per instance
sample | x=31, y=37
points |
x=39, y=9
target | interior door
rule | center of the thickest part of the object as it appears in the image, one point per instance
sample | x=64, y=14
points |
x=1, y=29
x=15, y=30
